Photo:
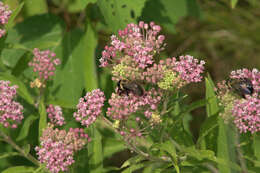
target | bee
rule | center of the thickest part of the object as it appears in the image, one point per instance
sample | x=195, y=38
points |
x=242, y=86
x=126, y=87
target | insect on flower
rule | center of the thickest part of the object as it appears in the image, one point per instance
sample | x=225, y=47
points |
x=126, y=87
x=242, y=86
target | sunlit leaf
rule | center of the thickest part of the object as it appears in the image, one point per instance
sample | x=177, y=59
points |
x=19, y=169
x=118, y=14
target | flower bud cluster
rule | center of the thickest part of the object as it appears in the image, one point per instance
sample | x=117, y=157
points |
x=10, y=110
x=55, y=115
x=44, y=63
x=243, y=111
x=5, y=14
x=57, y=147
x=227, y=99
x=89, y=107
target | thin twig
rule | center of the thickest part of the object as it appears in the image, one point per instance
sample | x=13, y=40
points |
x=134, y=148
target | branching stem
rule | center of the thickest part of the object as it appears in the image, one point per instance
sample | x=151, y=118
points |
x=28, y=156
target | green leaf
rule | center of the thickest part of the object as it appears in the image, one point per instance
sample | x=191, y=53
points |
x=212, y=106
x=226, y=146
x=88, y=44
x=200, y=154
x=40, y=31
x=210, y=141
x=21, y=65
x=43, y=116
x=95, y=151
x=9, y=154
x=78, y=5
x=118, y=14
x=35, y=7
x=208, y=126
x=110, y=169
x=111, y=146
x=169, y=12
x=227, y=163
x=256, y=146
x=195, y=105
x=19, y=169
x=13, y=16
x=132, y=160
x=26, y=127
x=233, y=3
x=22, y=90
x=169, y=148
x=27, y=148
x=133, y=168
x=68, y=82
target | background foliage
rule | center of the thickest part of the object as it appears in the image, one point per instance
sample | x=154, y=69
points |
x=223, y=33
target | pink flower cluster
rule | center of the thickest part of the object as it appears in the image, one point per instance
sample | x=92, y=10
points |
x=57, y=147
x=247, y=114
x=123, y=106
x=89, y=107
x=44, y=63
x=5, y=13
x=133, y=55
x=186, y=70
x=190, y=69
x=10, y=110
x=244, y=112
x=140, y=42
x=55, y=115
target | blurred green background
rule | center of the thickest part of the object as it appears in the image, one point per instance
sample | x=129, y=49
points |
x=224, y=33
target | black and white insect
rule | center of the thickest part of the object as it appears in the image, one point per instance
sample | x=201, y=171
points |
x=127, y=87
x=242, y=86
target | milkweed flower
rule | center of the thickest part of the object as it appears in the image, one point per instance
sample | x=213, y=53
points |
x=44, y=63
x=10, y=110
x=172, y=73
x=57, y=147
x=125, y=105
x=244, y=112
x=134, y=55
x=55, y=115
x=89, y=107
x=141, y=42
x=5, y=14
x=130, y=107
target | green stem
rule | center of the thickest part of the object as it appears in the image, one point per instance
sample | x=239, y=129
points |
x=28, y=156
x=132, y=147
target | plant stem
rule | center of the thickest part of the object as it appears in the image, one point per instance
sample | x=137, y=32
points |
x=28, y=156
x=132, y=147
